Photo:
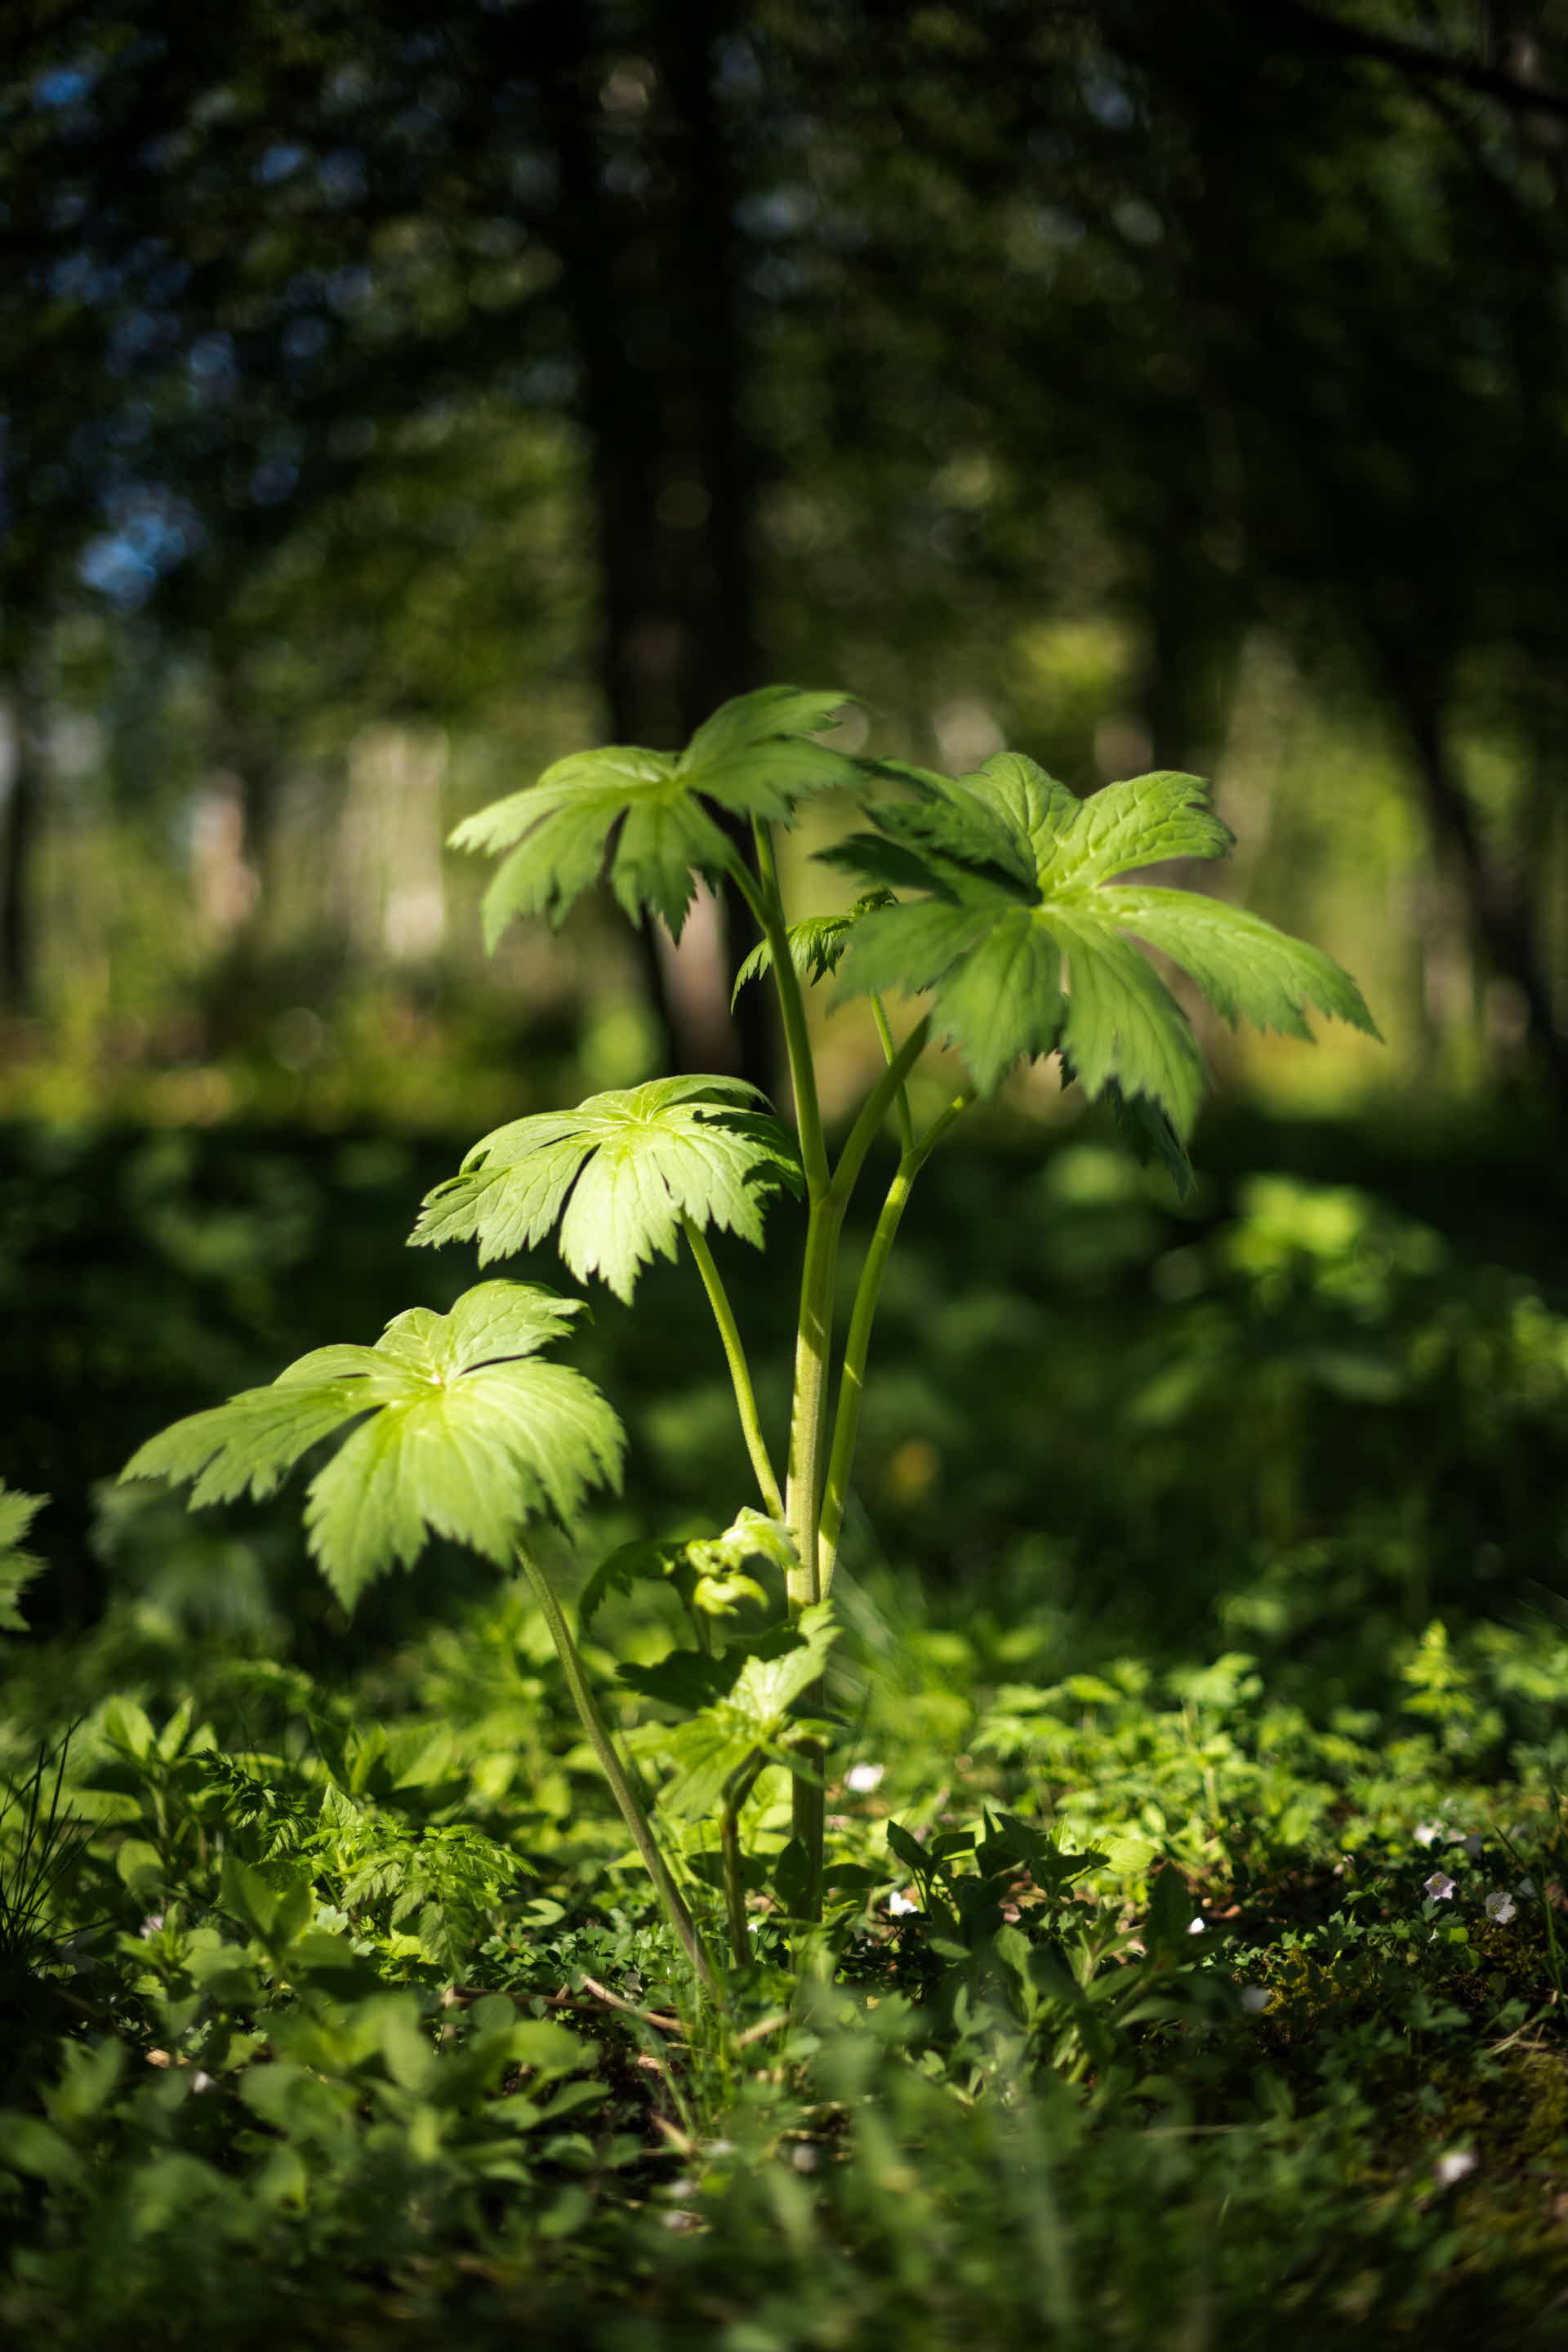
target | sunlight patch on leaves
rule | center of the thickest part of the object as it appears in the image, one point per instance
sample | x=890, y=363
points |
x=645, y=818
x=620, y=1173
x=1024, y=941
x=460, y=1432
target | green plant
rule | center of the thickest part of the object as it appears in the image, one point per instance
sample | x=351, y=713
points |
x=993, y=898
x=18, y=1568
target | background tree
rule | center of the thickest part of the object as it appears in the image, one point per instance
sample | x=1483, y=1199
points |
x=877, y=331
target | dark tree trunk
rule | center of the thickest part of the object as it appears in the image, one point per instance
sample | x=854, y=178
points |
x=704, y=262
x=20, y=811
x=1501, y=918
x=651, y=286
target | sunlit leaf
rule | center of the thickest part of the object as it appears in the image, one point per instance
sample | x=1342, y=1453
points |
x=460, y=1432
x=1025, y=942
x=647, y=819
x=619, y=1172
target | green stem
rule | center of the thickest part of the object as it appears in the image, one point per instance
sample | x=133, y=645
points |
x=808, y=1426
x=906, y=1122
x=737, y=1789
x=739, y=1371
x=621, y=1789
x=808, y=1810
x=768, y=907
x=857, y=1347
x=874, y=1110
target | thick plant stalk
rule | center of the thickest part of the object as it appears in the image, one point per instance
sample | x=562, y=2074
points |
x=808, y=1431
x=814, y=1340
x=621, y=1789
x=814, y=1332
x=739, y=1371
x=808, y=1428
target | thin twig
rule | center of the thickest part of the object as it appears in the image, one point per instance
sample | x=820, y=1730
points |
x=630, y=2008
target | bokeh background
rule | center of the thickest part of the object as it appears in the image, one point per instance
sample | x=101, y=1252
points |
x=395, y=398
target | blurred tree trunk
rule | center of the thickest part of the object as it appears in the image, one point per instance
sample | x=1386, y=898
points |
x=241, y=804
x=1501, y=918
x=20, y=811
x=646, y=238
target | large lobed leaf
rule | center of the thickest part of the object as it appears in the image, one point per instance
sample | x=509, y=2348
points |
x=1024, y=941
x=620, y=1172
x=647, y=816
x=460, y=1432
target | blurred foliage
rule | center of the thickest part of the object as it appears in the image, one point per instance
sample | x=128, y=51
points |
x=1197, y=1942
x=386, y=401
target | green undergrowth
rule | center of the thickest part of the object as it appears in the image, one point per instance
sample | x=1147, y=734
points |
x=1171, y=2006
x=1194, y=1959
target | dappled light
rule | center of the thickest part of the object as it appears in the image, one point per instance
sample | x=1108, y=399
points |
x=905, y=1683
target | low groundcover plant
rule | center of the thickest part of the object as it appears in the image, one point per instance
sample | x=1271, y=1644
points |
x=992, y=900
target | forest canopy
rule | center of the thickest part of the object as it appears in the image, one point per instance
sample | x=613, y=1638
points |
x=386, y=399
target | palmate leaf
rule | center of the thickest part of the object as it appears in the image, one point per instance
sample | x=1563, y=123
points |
x=1025, y=942
x=460, y=1432
x=620, y=1172
x=647, y=816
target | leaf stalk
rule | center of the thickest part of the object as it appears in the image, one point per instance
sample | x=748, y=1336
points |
x=627, y=1799
x=857, y=1345
x=768, y=907
x=740, y=1369
x=737, y=1790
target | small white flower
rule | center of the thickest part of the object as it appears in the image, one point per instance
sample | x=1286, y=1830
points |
x=1472, y=1845
x=1500, y=1908
x=201, y=2081
x=1525, y=1886
x=1198, y=1929
x=1454, y=2167
x=150, y=1925
x=1255, y=1999
x=720, y=2147
x=901, y=1906
x=1439, y=1888
x=804, y=2159
x=1428, y=1833
x=861, y=1779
